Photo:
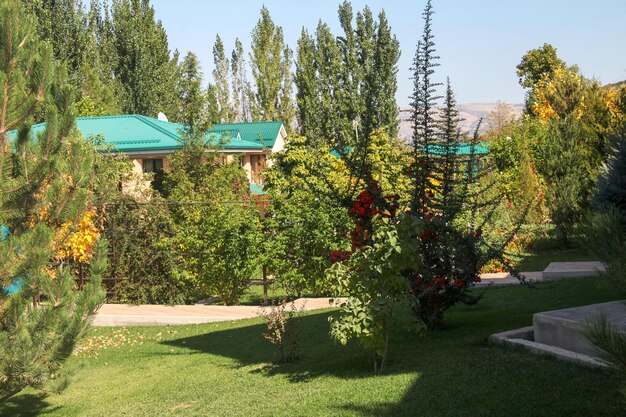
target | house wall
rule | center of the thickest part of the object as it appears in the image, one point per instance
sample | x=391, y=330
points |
x=137, y=183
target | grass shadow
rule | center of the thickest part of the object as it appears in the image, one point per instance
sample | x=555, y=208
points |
x=27, y=405
x=318, y=355
x=453, y=372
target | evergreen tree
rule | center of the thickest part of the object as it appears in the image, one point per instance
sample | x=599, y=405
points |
x=611, y=189
x=221, y=75
x=423, y=109
x=270, y=60
x=44, y=191
x=448, y=192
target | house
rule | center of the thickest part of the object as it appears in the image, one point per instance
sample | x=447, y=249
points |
x=149, y=143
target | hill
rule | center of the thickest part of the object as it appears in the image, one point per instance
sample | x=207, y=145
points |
x=471, y=113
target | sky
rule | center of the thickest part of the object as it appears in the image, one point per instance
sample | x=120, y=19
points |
x=479, y=41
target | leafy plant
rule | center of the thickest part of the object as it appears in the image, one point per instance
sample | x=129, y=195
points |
x=373, y=275
x=282, y=329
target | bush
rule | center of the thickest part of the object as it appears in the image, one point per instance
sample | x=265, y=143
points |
x=140, y=262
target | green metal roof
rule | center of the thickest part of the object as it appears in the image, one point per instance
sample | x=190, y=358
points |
x=136, y=133
x=480, y=148
x=264, y=133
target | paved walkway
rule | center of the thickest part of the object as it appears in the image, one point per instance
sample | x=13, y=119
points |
x=556, y=270
x=149, y=315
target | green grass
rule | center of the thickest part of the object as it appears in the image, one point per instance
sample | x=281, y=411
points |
x=254, y=295
x=226, y=369
x=538, y=261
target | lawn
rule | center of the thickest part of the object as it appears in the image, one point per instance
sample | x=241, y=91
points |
x=538, y=261
x=226, y=369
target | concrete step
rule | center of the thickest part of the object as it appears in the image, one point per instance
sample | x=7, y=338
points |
x=563, y=328
x=558, y=270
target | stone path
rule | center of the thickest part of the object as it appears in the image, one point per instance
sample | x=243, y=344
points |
x=150, y=315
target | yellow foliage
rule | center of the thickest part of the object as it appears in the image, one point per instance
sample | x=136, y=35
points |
x=562, y=92
x=78, y=242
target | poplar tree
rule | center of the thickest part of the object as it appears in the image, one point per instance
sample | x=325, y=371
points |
x=138, y=52
x=45, y=186
x=307, y=86
x=193, y=100
x=221, y=75
x=348, y=83
x=270, y=60
x=60, y=21
x=242, y=90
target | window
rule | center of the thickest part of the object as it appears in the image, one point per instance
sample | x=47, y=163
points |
x=152, y=165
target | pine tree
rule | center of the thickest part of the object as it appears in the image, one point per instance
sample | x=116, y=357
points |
x=221, y=75
x=44, y=191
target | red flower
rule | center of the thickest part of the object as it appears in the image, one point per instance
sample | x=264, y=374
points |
x=458, y=283
x=439, y=281
x=339, y=255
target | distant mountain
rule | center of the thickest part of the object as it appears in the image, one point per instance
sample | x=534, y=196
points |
x=470, y=112
x=618, y=84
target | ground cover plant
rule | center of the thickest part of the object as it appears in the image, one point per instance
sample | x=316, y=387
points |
x=227, y=369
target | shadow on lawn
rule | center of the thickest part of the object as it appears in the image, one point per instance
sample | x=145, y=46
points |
x=26, y=405
x=454, y=372
x=318, y=355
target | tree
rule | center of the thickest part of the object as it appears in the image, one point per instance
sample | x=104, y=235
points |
x=570, y=181
x=44, y=192
x=58, y=22
x=221, y=75
x=270, y=60
x=611, y=187
x=538, y=65
x=192, y=97
x=242, y=90
x=349, y=80
x=500, y=119
x=137, y=51
x=305, y=218
x=423, y=102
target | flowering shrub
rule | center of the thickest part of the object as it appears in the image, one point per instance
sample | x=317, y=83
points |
x=373, y=272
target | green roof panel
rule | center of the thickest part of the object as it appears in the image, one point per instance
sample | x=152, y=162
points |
x=136, y=133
